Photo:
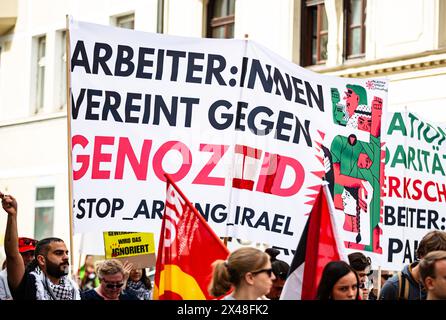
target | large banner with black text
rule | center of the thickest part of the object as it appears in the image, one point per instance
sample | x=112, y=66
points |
x=415, y=186
x=245, y=133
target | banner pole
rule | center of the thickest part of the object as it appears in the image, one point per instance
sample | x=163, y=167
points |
x=379, y=283
x=81, y=251
x=70, y=176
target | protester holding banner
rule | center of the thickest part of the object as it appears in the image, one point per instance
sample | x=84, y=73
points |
x=407, y=284
x=433, y=275
x=112, y=277
x=247, y=270
x=45, y=278
x=361, y=264
x=338, y=282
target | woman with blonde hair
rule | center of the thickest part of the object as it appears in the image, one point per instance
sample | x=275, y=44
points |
x=247, y=271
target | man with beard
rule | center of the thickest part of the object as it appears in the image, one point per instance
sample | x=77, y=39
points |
x=45, y=278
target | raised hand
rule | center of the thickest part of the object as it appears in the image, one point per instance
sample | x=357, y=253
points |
x=9, y=203
x=127, y=268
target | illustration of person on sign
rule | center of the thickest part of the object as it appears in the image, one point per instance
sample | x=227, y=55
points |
x=356, y=169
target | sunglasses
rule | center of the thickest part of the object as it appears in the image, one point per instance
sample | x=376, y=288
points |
x=113, y=285
x=27, y=242
x=268, y=271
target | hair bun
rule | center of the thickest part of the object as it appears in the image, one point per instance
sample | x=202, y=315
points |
x=273, y=253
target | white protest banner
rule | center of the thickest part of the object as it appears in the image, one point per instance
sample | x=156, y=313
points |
x=415, y=185
x=240, y=129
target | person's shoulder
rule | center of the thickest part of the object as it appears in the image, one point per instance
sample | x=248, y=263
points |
x=392, y=281
x=339, y=139
x=90, y=294
x=389, y=290
x=27, y=288
x=127, y=295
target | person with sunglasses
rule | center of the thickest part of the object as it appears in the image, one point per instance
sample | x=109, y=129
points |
x=280, y=270
x=46, y=276
x=112, y=277
x=247, y=271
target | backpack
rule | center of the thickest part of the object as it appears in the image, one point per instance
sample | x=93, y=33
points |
x=403, y=286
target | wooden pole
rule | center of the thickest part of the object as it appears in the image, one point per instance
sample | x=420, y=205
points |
x=70, y=171
x=379, y=283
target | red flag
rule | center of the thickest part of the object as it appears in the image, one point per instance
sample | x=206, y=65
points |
x=318, y=245
x=187, y=248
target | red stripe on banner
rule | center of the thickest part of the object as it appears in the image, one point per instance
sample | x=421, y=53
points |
x=321, y=160
x=314, y=195
x=248, y=151
x=242, y=184
x=315, y=188
x=319, y=174
x=311, y=202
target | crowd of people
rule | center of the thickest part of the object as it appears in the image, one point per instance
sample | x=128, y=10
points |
x=39, y=270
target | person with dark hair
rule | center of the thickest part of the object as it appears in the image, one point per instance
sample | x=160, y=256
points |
x=280, y=270
x=45, y=278
x=433, y=274
x=338, y=282
x=139, y=284
x=362, y=266
x=407, y=284
x=247, y=270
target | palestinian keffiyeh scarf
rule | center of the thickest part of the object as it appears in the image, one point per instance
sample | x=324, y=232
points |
x=46, y=290
x=138, y=289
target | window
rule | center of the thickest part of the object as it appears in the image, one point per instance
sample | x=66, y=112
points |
x=127, y=21
x=221, y=17
x=314, y=33
x=355, y=13
x=44, y=213
x=40, y=75
x=63, y=69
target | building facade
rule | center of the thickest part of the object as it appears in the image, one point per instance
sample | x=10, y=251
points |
x=403, y=40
